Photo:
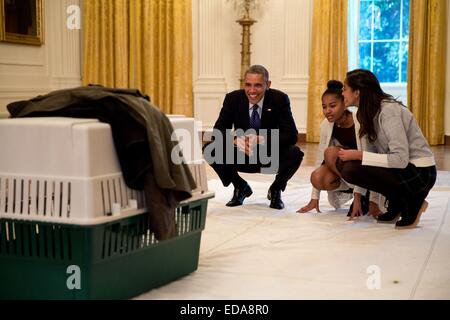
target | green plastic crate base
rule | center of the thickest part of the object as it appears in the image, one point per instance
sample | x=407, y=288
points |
x=114, y=260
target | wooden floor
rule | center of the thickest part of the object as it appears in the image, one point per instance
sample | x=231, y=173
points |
x=441, y=154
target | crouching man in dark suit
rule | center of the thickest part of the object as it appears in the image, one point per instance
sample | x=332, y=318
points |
x=263, y=141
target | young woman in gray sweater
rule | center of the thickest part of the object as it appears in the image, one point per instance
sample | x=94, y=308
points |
x=403, y=167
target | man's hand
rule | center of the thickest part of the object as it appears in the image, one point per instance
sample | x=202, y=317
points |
x=254, y=140
x=347, y=155
x=240, y=143
x=313, y=204
x=247, y=143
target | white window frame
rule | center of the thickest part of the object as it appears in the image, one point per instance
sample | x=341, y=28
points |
x=396, y=89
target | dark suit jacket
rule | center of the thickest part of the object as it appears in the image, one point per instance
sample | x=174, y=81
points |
x=276, y=114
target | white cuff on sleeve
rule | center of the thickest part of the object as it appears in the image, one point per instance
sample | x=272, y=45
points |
x=315, y=194
x=375, y=159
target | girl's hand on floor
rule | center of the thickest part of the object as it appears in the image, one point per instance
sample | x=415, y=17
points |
x=313, y=204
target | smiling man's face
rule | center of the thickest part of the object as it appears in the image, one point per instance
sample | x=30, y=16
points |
x=255, y=86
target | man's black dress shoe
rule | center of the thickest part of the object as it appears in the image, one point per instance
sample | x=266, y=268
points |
x=239, y=195
x=275, y=199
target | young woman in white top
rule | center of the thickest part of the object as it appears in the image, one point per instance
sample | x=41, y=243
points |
x=339, y=129
x=403, y=167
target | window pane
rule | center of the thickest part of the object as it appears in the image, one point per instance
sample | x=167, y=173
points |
x=386, y=19
x=365, y=19
x=364, y=55
x=386, y=61
x=382, y=45
x=404, y=58
x=405, y=22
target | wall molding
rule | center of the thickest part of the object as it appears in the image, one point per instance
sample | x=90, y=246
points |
x=280, y=41
x=210, y=85
x=64, y=82
x=295, y=85
x=15, y=62
x=296, y=52
x=28, y=71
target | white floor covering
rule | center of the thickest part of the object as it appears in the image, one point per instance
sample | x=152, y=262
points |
x=254, y=252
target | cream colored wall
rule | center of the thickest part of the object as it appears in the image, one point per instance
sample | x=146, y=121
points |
x=447, y=82
x=280, y=41
x=26, y=71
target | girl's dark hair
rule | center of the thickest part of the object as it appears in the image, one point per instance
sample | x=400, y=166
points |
x=370, y=97
x=334, y=87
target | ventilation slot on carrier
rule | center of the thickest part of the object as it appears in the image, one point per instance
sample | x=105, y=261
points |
x=115, y=190
x=33, y=197
x=44, y=241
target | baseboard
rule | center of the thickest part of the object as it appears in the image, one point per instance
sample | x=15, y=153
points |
x=4, y=115
x=301, y=138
